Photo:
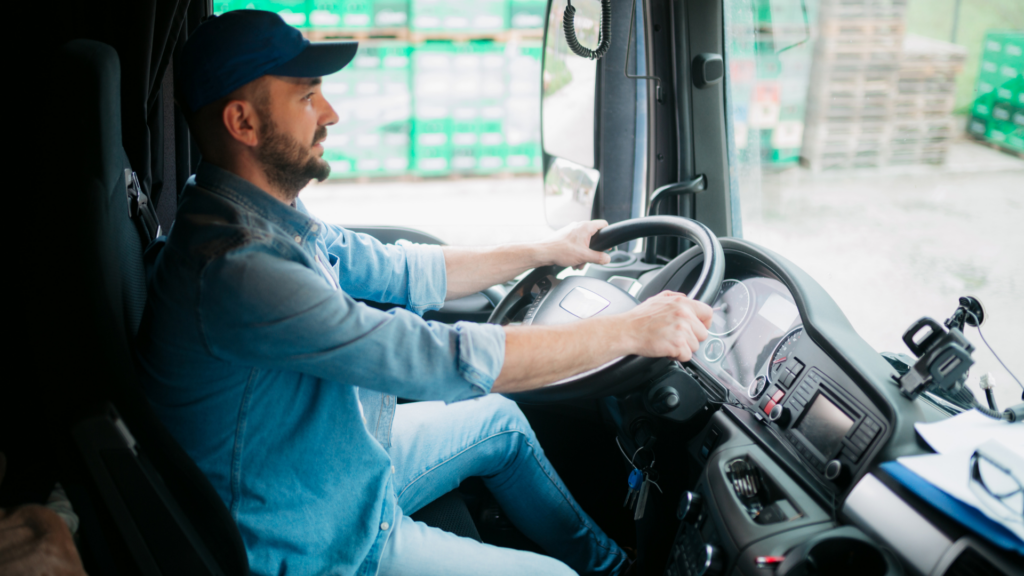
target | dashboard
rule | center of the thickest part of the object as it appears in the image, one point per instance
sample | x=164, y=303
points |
x=789, y=464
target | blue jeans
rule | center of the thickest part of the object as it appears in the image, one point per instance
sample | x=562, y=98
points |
x=436, y=446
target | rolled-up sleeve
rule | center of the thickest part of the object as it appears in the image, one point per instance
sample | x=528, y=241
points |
x=408, y=274
x=262, y=310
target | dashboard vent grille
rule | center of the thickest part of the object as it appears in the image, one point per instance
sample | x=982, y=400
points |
x=715, y=391
x=971, y=563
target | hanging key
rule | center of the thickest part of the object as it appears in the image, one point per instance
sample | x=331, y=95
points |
x=635, y=481
x=641, y=503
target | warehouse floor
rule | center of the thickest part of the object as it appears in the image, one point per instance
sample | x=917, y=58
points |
x=890, y=246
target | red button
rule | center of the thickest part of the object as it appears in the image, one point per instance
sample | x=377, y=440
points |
x=768, y=407
x=778, y=396
x=765, y=561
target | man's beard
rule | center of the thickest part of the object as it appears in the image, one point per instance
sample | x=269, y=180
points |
x=289, y=165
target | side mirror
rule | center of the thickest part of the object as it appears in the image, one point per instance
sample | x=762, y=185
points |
x=568, y=93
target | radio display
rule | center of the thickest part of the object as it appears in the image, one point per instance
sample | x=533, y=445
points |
x=824, y=425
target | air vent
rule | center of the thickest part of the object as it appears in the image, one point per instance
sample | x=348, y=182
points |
x=715, y=391
x=971, y=563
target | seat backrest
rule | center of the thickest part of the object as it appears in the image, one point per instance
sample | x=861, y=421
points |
x=164, y=506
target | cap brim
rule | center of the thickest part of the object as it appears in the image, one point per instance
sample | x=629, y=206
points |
x=318, y=59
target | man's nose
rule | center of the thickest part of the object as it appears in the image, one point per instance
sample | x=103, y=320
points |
x=328, y=116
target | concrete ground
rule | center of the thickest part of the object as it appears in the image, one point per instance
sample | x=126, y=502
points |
x=890, y=246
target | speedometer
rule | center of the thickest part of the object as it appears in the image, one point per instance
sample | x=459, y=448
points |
x=730, y=308
x=782, y=353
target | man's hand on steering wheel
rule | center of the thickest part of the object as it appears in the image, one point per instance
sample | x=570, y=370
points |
x=570, y=246
x=668, y=325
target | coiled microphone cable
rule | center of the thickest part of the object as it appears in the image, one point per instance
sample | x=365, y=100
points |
x=604, y=37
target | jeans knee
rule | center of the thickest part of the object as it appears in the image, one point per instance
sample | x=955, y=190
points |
x=507, y=415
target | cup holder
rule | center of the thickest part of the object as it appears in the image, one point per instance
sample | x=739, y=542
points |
x=841, y=552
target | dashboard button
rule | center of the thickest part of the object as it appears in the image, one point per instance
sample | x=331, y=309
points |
x=832, y=469
x=796, y=367
x=690, y=505
x=778, y=396
x=780, y=415
x=769, y=407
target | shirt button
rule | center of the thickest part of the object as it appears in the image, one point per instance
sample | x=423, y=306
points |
x=314, y=228
x=392, y=469
x=298, y=239
x=384, y=525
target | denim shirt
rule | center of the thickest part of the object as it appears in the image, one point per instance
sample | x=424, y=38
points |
x=255, y=355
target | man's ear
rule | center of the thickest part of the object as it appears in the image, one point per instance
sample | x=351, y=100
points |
x=241, y=122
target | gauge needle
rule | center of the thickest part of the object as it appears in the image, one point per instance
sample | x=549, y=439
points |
x=722, y=308
x=783, y=359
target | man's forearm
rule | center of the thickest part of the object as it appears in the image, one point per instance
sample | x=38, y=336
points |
x=539, y=355
x=471, y=270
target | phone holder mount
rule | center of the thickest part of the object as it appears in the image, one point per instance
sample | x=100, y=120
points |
x=943, y=353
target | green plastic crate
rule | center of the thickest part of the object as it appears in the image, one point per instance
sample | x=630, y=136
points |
x=294, y=12
x=341, y=14
x=527, y=14
x=391, y=13
x=443, y=16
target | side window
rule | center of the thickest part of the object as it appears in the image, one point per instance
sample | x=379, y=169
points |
x=439, y=115
x=879, y=144
x=568, y=94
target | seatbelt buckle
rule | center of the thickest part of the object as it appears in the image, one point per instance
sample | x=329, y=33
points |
x=137, y=200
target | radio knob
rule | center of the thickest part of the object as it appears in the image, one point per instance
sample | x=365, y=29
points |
x=714, y=561
x=780, y=415
x=833, y=469
x=690, y=506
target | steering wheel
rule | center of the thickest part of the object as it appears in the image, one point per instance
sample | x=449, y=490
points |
x=540, y=298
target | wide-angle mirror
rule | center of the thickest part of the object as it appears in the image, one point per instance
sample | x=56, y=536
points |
x=567, y=110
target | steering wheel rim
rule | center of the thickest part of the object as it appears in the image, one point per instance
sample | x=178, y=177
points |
x=627, y=372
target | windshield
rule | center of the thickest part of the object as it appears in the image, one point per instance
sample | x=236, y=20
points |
x=879, y=146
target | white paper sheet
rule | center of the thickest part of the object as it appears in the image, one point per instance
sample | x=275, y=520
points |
x=967, y=431
x=950, y=472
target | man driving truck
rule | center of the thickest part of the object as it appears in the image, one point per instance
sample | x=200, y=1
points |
x=282, y=387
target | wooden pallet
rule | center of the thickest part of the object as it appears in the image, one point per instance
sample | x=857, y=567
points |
x=404, y=34
x=321, y=34
x=862, y=29
x=863, y=8
x=830, y=146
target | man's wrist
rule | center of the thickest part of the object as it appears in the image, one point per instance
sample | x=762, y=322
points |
x=540, y=254
x=616, y=334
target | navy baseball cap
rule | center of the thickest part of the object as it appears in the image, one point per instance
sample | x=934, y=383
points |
x=227, y=52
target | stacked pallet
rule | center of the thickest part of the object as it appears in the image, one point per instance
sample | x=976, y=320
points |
x=854, y=76
x=922, y=123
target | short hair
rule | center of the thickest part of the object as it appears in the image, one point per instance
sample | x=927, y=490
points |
x=204, y=123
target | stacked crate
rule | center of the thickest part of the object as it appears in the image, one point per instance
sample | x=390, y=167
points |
x=783, y=69
x=374, y=106
x=476, y=108
x=997, y=116
x=437, y=88
x=458, y=17
x=853, y=80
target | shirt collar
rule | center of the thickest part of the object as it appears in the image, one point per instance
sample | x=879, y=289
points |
x=254, y=199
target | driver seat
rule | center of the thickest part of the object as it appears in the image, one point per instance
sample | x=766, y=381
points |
x=159, y=512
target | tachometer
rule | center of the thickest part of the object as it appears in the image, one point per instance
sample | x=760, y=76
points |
x=782, y=352
x=730, y=307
